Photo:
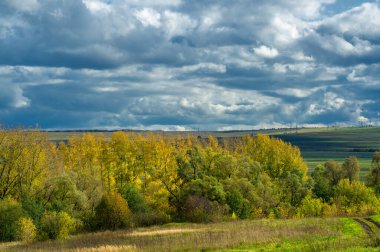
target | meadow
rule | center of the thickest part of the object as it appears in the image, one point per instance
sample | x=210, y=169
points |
x=319, y=145
x=309, y=234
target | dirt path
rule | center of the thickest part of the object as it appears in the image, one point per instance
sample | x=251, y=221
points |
x=377, y=224
x=365, y=226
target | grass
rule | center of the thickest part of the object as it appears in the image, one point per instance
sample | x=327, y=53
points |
x=336, y=144
x=314, y=234
x=376, y=218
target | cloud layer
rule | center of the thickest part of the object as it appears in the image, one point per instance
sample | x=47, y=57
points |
x=178, y=65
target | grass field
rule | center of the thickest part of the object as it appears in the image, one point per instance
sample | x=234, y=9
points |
x=317, y=234
x=317, y=144
x=336, y=144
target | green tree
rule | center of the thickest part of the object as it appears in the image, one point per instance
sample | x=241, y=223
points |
x=26, y=230
x=238, y=204
x=351, y=168
x=56, y=225
x=10, y=212
x=134, y=198
x=322, y=188
x=333, y=172
x=355, y=198
x=112, y=212
x=374, y=176
x=294, y=187
x=310, y=207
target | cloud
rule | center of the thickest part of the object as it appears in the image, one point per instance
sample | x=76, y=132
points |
x=149, y=17
x=187, y=64
x=266, y=52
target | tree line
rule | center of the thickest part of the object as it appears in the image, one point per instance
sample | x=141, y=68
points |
x=93, y=182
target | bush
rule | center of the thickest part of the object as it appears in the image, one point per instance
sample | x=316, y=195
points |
x=56, y=225
x=355, y=198
x=151, y=218
x=26, y=230
x=238, y=204
x=112, y=212
x=200, y=209
x=310, y=207
x=135, y=199
x=10, y=212
x=34, y=209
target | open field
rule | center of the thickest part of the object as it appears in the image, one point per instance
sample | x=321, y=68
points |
x=316, y=234
x=317, y=144
x=336, y=144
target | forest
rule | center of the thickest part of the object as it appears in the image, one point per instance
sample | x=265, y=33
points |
x=50, y=190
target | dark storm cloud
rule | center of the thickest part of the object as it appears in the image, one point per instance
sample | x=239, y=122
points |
x=187, y=64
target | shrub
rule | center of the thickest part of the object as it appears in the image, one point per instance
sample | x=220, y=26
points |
x=200, y=209
x=56, y=225
x=112, y=212
x=238, y=204
x=310, y=207
x=151, y=218
x=34, y=209
x=135, y=199
x=10, y=212
x=26, y=230
x=356, y=198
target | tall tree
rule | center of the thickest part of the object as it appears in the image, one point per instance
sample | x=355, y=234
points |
x=351, y=168
x=374, y=176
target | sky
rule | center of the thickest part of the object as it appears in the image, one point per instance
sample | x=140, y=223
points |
x=186, y=65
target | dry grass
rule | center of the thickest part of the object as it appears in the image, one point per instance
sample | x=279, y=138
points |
x=191, y=237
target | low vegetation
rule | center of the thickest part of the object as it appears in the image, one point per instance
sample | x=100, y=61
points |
x=305, y=234
x=93, y=183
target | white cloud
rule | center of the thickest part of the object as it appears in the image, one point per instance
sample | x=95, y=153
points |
x=360, y=21
x=296, y=92
x=149, y=17
x=330, y=102
x=20, y=101
x=177, y=23
x=97, y=6
x=266, y=52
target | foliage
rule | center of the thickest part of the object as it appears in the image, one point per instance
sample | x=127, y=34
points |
x=34, y=209
x=355, y=198
x=238, y=204
x=146, y=179
x=200, y=209
x=151, y=218
x=333, y=172
x=26, y=230
x=374, y=177
x=310, y=207
x=112, y=212
x=61, y=194
x=135, y=199
x=351, y=168
x=10, y=213
x=322, y=187
x=56, y=225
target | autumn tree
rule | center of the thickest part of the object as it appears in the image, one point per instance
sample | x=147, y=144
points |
x=351, y=168
x=333, y=172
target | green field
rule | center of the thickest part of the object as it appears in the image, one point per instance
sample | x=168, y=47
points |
x=336, y=144
x=317, y=144
x=315, y=234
